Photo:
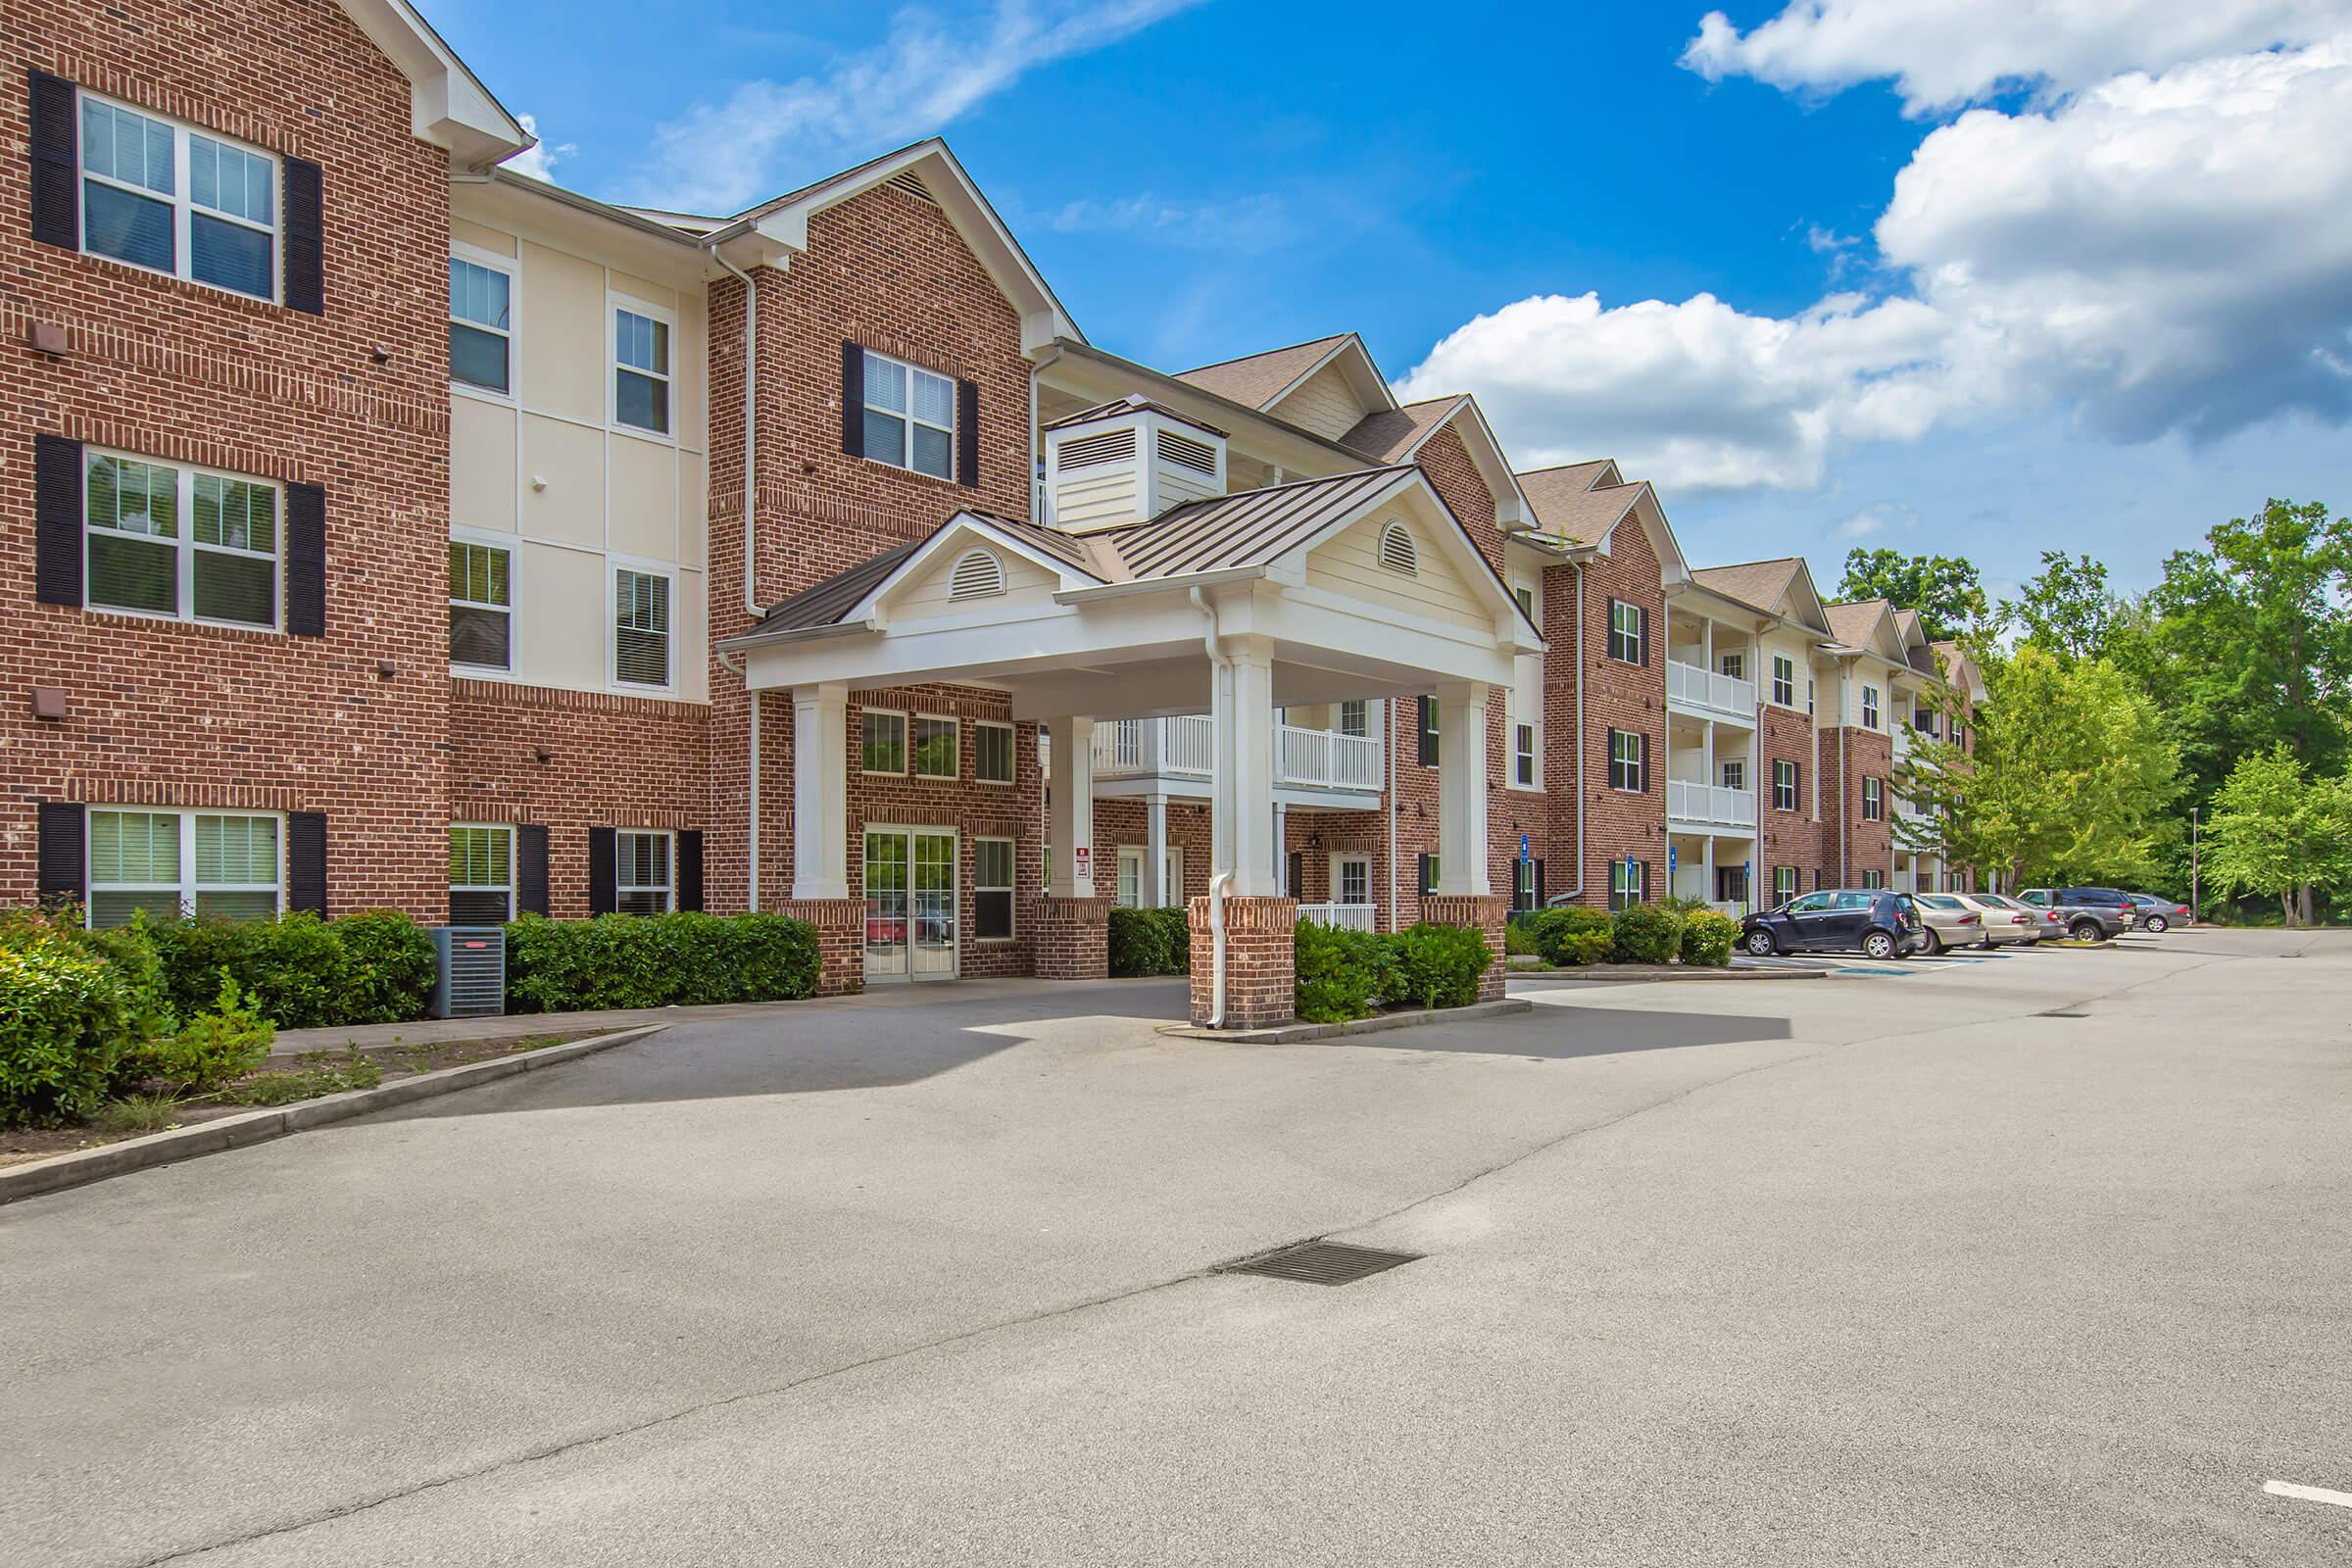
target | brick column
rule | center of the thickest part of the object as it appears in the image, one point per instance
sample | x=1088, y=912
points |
x=1070, y=938
x=1480, y=911
x=840, y=941
x=1261, y=961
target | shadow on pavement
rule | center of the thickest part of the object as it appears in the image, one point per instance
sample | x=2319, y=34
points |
x=1562, y=1033
x=852, y=1042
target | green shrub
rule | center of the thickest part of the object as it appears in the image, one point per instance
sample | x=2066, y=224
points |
x=1571, y=936
x=1646, y=933
x=1519, y=937
x=1341, y=974
x=1150, y=942
x=1438, y=965
x=302, y=972
x=387, y=967
x=64, y=1020
x=212, y=1049
x=1708, y=938
x=656, y=960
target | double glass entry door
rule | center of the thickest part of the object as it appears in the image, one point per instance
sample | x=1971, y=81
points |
x=910, y=905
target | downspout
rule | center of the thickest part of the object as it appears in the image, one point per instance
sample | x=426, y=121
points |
x=750, y=600
x=1219, y=878
x=1578, y=891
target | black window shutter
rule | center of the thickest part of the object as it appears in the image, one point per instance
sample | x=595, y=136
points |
x=690, y=868
x=853, y=400
x=530, y=868
x=305, y=861
x=56, y=161
x=306, y=560
x=57, y=519
x=1648, y=867
x=1294, y=875
x=64, y=825
x=1642, y=619
x=1426, y=746
x=1644, y=784
x=967, y=433
x=604, y=872
x=1540, y=884
x=1421, y=879
x=306, y=238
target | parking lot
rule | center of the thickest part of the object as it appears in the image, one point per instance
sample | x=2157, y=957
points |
x=2027, y=1257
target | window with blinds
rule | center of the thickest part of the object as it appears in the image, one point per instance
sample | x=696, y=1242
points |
x=640, y=628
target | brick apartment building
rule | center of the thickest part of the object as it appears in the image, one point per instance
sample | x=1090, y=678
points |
x=399, y=531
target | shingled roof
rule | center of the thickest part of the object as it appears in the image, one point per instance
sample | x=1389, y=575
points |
x=1759, y=583
x=1392, y=433
x=1568, y=501
x=1852, y=623
x=1254, y=379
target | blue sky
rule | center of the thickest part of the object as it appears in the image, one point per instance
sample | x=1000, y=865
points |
x=1927, y=274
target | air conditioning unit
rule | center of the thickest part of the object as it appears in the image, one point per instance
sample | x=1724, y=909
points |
x=470, y=971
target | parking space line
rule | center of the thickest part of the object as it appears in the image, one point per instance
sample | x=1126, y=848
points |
x=2288, y=1489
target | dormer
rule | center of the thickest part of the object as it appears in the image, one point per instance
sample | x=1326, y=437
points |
x=1128, y=461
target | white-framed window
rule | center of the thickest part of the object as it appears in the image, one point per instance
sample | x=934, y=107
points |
x=481, y=873
x=1874, y=880
x=1352, y=878
x=1735, y=774
x=1784, y=784
x=936, y=741
x=1628, y=883
x=882, y=741
x=1171, y=877
x=481, y=604
x=909, y=416
x=641, y=336
x=191, y=544
x=1128, y=890
x=1783, y=884
x=1526, y=598
x=481, y=324
x=1870, y=708
x=1873, y=800
x=1430, y=747
x=1784, y=680
x=1523, y=754
x=1629, y=632
x=991, y=889
x=1734, y=666
x=641, y=622
x=642, y=862
x=169, y=198
x=1808, y=696
x=992, y=751
x=1430, y=873
x=1627, y=756
x=214, y=865
x=1356, y=720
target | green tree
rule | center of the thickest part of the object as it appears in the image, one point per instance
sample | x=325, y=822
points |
x=2068, y=782
x=1943, y=589
x=2251, y=643
x=2069, y=610
x=2276, y=832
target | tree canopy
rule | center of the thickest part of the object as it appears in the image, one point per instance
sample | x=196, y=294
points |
x=1943, y=589
x=2276, y=831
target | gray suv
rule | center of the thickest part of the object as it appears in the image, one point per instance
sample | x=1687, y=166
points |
x=2089, y=914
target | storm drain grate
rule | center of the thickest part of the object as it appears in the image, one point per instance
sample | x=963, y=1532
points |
x=1320, y=1263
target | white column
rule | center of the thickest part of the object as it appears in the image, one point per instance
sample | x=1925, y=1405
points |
x=1282, y=844
x=1154, y=890
x=1463, y=789
x=1706, y=756
x=1070, y=818
x=821, y=792
x=1246, y=753
x=1706, y=869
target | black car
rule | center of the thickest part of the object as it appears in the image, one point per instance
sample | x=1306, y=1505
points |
x=1876, y=922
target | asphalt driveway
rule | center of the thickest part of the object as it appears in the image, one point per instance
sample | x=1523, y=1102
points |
x=2041, y=1259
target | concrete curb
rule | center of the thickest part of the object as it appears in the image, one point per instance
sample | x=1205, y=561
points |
x=1617, y=974
x=86, y=1166
x=1294, y=1033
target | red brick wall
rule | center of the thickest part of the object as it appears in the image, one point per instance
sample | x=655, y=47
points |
x=1619, y=696
x=179, y=714
x=1790, y=838
x=1869, y=845
x=1121, y=821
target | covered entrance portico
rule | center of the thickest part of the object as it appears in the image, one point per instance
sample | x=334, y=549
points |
x=1356, y=588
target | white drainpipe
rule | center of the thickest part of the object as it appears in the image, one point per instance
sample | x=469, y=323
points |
x=1220, y=879
x=751, y=602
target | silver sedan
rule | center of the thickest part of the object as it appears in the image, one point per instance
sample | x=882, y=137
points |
x=1950, y=922
x=2008, y=921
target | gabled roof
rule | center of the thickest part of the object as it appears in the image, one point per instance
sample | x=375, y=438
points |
x=1856, y=623
x=1567, y=503
x=1255, y=380
x=930, y=167
x=1246, y=530
x=448, y=105
x=1393, y=435
x=1760, y=584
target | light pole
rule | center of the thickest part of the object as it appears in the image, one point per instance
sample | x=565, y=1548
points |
x=2196, y=906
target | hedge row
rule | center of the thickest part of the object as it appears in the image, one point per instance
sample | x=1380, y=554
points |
x=656, y=960
x=1646, y=933
x=1150, y=942
x=1349, y=974
x=300, y=971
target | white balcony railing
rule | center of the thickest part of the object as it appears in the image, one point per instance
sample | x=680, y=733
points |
x=1344, y=917
x=1186, y=745
x=1710, y=804
x=1692, y=686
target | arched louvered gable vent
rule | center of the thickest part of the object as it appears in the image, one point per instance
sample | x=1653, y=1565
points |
x=1397, y=552
x=977, y=574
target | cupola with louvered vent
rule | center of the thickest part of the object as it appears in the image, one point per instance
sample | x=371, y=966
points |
x=1126, y=461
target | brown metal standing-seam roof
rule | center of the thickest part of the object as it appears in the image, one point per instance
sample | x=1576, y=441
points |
x=1245, y=529
x=827, y=601
x=1761, y=583
x=1254, y=379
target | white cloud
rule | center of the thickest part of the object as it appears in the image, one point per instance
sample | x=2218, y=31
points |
x=539, y=160
x=1257, y=222
x=1942, y=53
x=722, y=157
x=2158, y=253
x=1876, y=518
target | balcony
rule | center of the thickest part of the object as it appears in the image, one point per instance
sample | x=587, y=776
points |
x=1709, y=805
x=1695, y=690
x=1341, y=917
x=1185, y=748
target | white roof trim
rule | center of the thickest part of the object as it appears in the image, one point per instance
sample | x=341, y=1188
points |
x=962, y=525
x=1512, y=511
x=448, y=105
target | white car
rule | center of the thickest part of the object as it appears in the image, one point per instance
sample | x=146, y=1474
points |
x=2007, y=921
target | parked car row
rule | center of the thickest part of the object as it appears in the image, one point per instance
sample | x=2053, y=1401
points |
x=1881, y=923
